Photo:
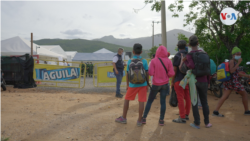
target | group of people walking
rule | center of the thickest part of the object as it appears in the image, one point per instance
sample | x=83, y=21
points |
x=89, y=69
x=162, y=69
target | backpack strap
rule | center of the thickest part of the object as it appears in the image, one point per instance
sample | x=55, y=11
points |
x=163, y=66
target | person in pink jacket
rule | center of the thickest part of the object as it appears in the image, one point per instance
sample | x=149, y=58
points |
x=160, y=81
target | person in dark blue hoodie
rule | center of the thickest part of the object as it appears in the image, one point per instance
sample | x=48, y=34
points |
x=118, y=66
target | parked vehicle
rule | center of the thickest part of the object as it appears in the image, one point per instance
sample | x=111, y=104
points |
x=216, y=86
x=245, y=81
x=2, y=82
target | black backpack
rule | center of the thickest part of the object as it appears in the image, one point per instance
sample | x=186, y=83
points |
x=201, y=62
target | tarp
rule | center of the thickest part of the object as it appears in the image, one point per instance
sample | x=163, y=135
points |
x=20, y=46
x=56, y=49
x=94, y=56
x=103, y=50
x=71, y=54
x=18, y=71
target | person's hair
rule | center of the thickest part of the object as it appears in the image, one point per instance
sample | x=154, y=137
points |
x=193, y=44
x=153, y=55
x=182, y=44
x=120, y=49
x=193, y=40
x=137, y=48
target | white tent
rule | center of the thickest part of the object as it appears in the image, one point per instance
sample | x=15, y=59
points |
x=71, y=53
x=56, y=49
x=19, y=46
x=103, y=50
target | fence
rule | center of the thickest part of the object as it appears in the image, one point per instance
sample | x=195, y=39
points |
x=103, y=73
x=56, y=74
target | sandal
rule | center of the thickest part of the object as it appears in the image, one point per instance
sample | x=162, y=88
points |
x=217, y=114
x=208, y=125
x=179, y=120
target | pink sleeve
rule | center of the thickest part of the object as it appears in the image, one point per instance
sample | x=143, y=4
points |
x=170, y=69
x=189, y=62
x=151, y=70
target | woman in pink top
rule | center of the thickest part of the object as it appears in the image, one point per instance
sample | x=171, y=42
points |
x=160, y=81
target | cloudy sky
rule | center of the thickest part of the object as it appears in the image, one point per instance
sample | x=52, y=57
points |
x=83, y=19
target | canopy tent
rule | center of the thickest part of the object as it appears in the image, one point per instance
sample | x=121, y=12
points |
x=96, y=57
x=71, y=53
x=56, y=49
x=19, y=46
x=103, y=50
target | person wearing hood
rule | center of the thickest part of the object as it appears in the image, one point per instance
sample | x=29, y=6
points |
x=160, y=81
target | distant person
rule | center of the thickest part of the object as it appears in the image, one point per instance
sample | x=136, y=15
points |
x=202, y=80
x=182, y=94
x=160, y=81
x=87, y=69
x=234, y=84
x=118, y=68
x=91, y=69
x=137, y=77
x=64, y=63
x=2, y=81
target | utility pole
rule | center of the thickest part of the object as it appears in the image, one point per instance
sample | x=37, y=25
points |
x=31, y=45
x=153, y=32
x=163, y=24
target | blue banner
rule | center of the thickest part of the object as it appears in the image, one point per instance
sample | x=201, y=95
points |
x=58, y=74
x=112, y=74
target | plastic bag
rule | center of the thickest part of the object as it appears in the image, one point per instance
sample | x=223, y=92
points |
x=173, y=102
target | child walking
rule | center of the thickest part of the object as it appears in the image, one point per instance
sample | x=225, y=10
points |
x=134, y=86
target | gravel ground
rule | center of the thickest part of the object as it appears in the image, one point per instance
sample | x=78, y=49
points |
x=89, y=87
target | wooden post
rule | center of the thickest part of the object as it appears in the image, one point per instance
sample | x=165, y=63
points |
x=31, y=45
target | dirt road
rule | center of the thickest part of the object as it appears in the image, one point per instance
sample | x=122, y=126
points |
x=39, y=115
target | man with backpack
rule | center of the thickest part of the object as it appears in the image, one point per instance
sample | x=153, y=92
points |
x=137, y=77
x=199, y=62
x=182, y=94
x=118, y=68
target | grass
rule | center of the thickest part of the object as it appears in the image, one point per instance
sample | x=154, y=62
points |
x=5, y=139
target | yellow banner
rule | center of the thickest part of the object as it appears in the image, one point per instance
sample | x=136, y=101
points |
x=106, y=74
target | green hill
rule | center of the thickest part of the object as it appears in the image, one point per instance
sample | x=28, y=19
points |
x=82, y=45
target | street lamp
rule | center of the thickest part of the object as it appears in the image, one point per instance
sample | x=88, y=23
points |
x=163, y=24
x=153, y=31
x=36, y=49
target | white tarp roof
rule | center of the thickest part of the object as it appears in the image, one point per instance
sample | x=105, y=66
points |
x=20, y=46
x=71, y=53
x=56, y=49
x=103, y=50
x=96, y=57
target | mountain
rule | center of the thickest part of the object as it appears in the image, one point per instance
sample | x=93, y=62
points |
x=82, y=45
x=147, y=41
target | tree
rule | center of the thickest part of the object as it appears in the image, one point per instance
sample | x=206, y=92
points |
x=181, y=37
x=152, y=51
x=216, y=38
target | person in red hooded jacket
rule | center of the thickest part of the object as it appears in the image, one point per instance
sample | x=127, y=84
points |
x=160, y=81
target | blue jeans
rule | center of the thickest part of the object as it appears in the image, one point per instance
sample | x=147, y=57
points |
x=118, y=81
x=164, y=91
